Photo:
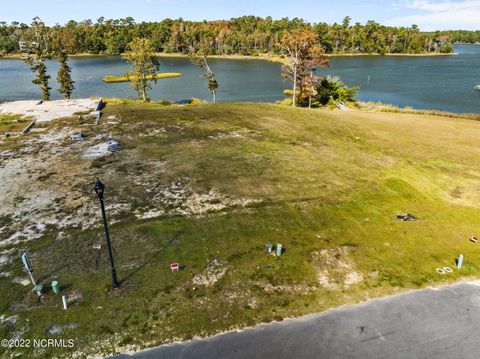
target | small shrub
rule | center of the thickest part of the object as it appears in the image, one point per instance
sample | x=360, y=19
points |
x=288, y=92
x=446, y=48
x=197, y=101
x=106, y=330
x=332, y=89
x=164, y=102
x=285, y=102
x=168, y=288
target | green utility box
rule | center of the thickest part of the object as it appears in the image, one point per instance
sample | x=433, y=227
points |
x=279, y=249
x=55, y=287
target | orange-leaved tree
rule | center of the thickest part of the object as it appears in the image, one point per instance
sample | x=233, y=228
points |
x=303, y=53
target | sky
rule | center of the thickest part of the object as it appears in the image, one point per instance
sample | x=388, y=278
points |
x=427, y=14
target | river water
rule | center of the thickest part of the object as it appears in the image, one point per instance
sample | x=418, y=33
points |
x=443, y=82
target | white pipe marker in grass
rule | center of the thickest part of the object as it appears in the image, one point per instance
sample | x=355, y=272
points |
x=64, y=301
x=28, y=268
x=460, y=261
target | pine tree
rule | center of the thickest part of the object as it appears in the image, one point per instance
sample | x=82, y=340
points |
x=64, y=76
x=39, y=50
x=37, y=65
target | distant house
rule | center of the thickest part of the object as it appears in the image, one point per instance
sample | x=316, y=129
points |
x=25, y=46
x=443, y=38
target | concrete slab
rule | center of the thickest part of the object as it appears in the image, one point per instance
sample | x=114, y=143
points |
x=49, y=110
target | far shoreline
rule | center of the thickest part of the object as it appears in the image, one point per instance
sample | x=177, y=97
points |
x=264, y=57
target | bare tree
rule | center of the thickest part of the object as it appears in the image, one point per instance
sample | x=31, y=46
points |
x=200, y=58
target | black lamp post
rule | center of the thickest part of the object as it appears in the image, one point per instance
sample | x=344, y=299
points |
x=99, y=188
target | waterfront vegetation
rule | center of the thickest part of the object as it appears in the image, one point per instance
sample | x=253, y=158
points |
x=247, y=35
x=328, y=185
x=165, y=75
x=64, y=77
x=39, y=49
x=458, y=36
x=199, y=57
x=141, y=55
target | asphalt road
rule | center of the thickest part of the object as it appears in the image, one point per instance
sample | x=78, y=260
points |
x=430, y=323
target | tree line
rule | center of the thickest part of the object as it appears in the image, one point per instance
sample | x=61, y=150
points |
x=247, y=35
x=459, y=36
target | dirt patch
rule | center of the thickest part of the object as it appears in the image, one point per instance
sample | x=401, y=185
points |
x=23, y=281
x=335, y=270
x=55, y=329
x=180, y=197
x=199, y=203
x=406, y=217
x=212, y=274
x=47, y=185
x=5, y=257
x=285, y=288
x=97, y=151
x=4, y=320
x=230, y=134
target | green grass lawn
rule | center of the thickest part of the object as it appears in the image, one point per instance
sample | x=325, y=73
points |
x=326, y=184
x=12, y=123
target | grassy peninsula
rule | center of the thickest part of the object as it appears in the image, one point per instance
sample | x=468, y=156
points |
x=165, y=75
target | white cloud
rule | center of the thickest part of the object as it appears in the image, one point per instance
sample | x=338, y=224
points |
x=447, y=14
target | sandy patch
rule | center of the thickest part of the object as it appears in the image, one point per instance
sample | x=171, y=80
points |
x=335, y=270
x=97, y=151
x=181, y=196
x=153, y=213
x=8, y=320
x=210, y=275
x=285, y=288
x=49, y=110
x=5, y=257
x=22, y=281
x=231, y=134
x=200, y=203
x=56, y=329
x=102, y=149
x=32, y=198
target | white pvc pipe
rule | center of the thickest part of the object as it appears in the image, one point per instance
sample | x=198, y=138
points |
x=32, y=278
x=64, y=301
